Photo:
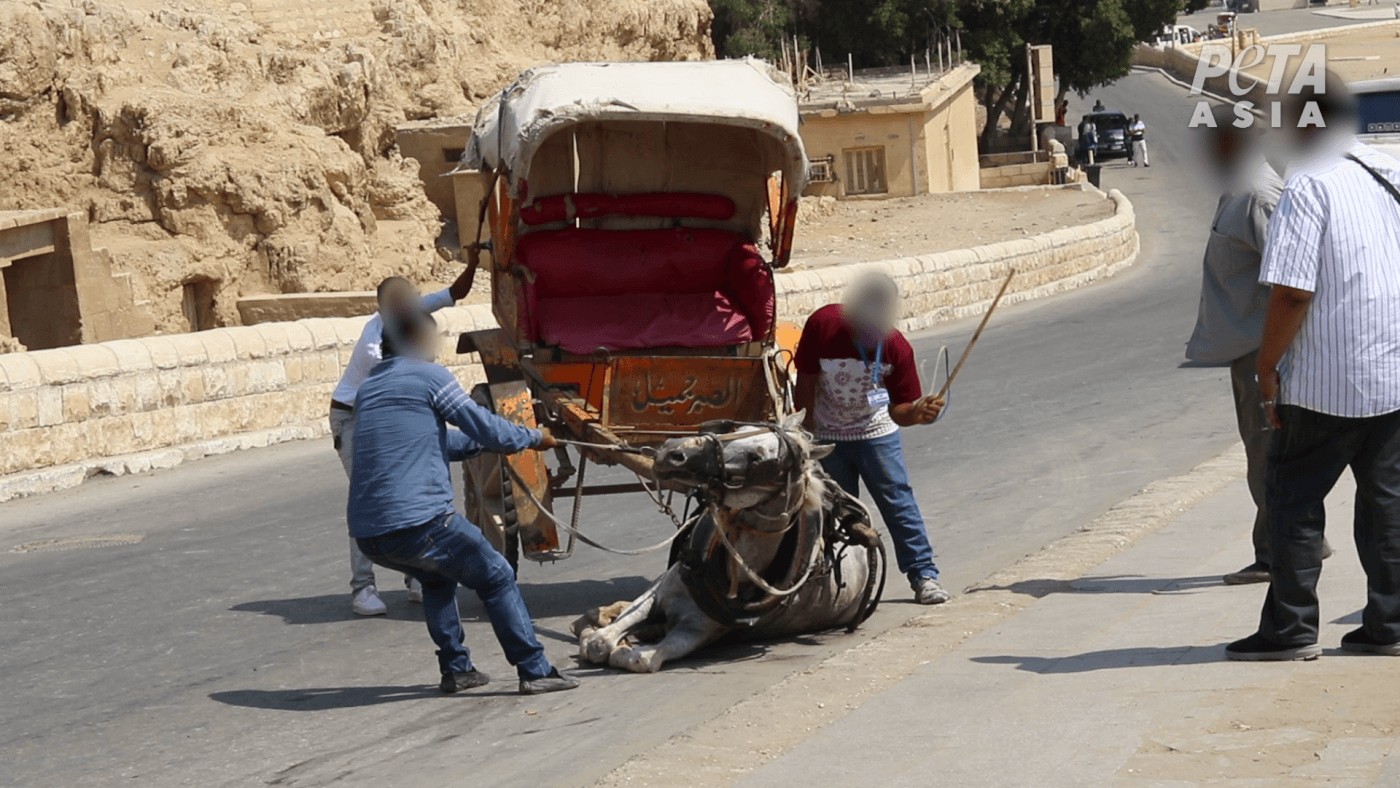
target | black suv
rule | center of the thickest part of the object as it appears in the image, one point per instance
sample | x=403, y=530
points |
x=1112, y=127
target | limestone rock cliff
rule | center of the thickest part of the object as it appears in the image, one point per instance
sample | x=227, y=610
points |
x=250, y=144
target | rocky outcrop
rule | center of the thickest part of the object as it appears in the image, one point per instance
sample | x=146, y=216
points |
x=251, y=144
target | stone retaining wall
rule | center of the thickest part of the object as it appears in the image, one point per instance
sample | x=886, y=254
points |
x=951, y=285
x=136, y=404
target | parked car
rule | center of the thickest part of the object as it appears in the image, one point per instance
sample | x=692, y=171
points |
x=1112, y=128
x=1172, y=35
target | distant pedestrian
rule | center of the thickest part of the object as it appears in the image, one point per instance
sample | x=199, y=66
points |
x=1088, y=140
x=1137, y=142
x=394, y=293
x=1329, y=376
x=1098, y=106
x=401, y=510
x=1061, y=112
x=857, y=380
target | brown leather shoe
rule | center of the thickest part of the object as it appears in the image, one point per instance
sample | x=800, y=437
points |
x=1254, y=573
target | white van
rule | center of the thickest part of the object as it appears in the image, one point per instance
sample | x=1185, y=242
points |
x=1379, y=103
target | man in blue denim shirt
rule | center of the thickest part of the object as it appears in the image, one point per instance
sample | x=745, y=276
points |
x=401, y=504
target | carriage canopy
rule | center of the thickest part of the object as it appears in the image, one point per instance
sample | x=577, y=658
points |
x=743, y=94
x=716, y=128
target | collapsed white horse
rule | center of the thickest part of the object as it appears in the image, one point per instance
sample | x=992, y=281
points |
x=781, y=550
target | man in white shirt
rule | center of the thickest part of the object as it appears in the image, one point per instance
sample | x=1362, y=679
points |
x=1329, y=376
x=1137, y=142
x=367, y=353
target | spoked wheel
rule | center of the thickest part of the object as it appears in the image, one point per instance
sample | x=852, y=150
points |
x=487, y=499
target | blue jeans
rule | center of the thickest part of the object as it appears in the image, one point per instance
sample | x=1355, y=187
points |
x=879, y=462
x=450, y=550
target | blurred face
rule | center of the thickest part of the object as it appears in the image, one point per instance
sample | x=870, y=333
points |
x=399, y=295
x=427, y=344
x=1319, y=122
x=1230, y=154
x=871, y=308
x=424, y=342
x=1227, y=148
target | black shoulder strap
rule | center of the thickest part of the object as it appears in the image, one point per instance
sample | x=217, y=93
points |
x=1390, y=187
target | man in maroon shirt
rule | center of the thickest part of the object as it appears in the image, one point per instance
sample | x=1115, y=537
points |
x=857, y=380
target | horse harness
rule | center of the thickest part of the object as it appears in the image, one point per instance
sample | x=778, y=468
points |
x=813, y=544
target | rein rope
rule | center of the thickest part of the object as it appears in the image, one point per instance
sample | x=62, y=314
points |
x=789, y=509
x=582, y=537
x=681, y=527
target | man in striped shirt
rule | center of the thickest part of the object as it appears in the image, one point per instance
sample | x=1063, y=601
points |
x=1329, y=376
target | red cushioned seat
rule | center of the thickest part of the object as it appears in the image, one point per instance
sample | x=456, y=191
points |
x=582, y=325
x=629, y=289
x=672, y=205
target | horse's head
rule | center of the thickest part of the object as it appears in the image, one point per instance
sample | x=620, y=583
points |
x=744, y=465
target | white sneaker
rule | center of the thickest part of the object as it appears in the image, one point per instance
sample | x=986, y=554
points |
x=368, y=603
x=415, y=589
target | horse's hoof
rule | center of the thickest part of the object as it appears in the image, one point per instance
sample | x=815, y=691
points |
x=628, y=658
x=596, y=650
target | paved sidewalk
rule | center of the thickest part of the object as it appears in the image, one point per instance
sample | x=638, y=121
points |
x=1363, y=13
x=1119, y=679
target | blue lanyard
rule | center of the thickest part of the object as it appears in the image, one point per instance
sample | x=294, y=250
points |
x=876, y=368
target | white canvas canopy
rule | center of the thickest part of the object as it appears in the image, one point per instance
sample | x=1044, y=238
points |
x=741, y=95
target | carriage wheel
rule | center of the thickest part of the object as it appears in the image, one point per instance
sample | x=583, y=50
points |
x=487, y=499
x=487, y=503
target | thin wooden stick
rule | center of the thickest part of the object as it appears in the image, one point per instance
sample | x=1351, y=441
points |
x=948, y=384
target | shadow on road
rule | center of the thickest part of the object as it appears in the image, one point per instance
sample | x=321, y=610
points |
x=328, y=608
x=1109, y=659
x=545, y=600
x=573, y=597
x=1350, y=618
x=1118, y=584
x=324, y=698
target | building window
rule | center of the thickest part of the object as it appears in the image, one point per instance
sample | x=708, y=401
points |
x=865, y=171
x=822, y=170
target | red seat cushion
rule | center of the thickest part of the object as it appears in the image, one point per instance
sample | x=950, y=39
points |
x=626, y=289
x=750, y=281
x=566, y=207
x=676, y=205
x=641, y=320
x=580, y=262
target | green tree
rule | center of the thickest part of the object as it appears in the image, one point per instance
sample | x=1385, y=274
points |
x=752, y=27
x=1093, y=40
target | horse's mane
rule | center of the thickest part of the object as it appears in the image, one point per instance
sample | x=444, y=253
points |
x=812, y=469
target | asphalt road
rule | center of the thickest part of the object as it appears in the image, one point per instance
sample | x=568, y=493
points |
x=1272, y=23
x=220, y=650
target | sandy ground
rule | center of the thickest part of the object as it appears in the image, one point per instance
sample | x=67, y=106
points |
x=1372, y=53
x=864, y=230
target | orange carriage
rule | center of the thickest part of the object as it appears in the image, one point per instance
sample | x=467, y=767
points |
x=636, y=215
